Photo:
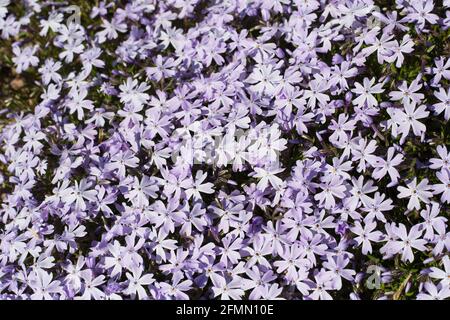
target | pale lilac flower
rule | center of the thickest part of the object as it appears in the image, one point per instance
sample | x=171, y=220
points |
x=408, y=95
x=134, y=93
x=81, y=192
x=444, y=104
x=383, y=166
x=433, y=292
x=416, y=193
x=24, y=58
x=137, y=281
x=366, y=234
x=267, y=176
x=410, y=119
x=443, y=162
x=443, y=188
x=331, y=190
x=408, y=241
x=365, y=92
x=226, y=289
x=442, y=275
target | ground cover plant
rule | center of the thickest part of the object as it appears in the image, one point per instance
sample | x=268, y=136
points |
x=224, y=149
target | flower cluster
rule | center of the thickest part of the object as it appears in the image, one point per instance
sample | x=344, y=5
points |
x=229, y=149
